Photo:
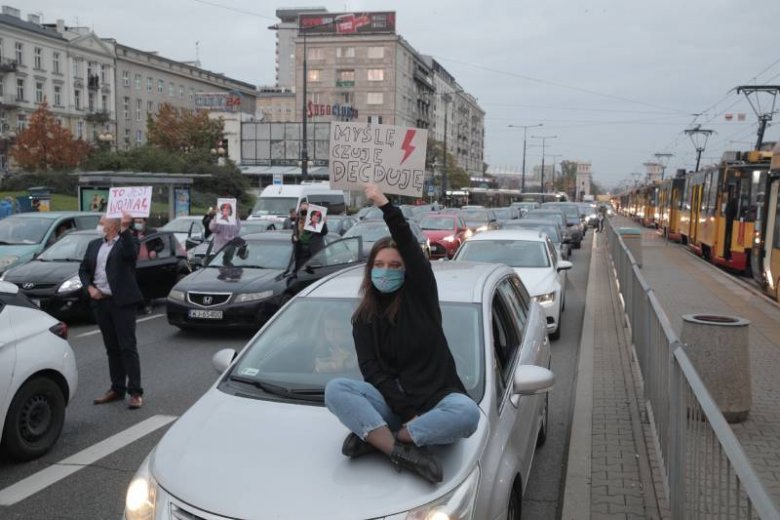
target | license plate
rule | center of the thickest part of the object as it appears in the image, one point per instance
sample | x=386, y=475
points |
x=205, y=315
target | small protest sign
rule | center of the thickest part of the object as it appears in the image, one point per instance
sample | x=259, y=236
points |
x=226, y=211
x=393, y=157
x=135, y=200
x=315, y=218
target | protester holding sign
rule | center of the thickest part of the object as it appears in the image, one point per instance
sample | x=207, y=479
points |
x=306, y=243
x=412, y=396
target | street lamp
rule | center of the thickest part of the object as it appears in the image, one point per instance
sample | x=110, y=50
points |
x=699, y=138
x=554, y=157
x=544, y=139
x=525, y=131
x=663, y=160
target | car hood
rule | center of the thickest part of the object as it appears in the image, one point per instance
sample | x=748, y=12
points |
x=285, y=452
x=39, y=272
x=537, y=281
x=437, y=234
x=235, y=279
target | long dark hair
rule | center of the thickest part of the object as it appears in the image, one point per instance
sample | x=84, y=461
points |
x=372, y=302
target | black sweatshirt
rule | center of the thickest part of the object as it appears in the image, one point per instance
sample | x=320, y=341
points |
x=410, y=362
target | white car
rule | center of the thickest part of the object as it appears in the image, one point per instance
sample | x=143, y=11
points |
x=260, y=443
x=533, y=257
x=37, y=376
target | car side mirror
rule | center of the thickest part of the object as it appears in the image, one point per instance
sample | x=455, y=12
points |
x=564, y=265
x=223, y=359
x=530, y=380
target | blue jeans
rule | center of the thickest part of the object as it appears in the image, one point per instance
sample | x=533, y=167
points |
x=362, y=409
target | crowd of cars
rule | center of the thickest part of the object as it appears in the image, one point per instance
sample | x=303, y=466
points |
x=502, y=283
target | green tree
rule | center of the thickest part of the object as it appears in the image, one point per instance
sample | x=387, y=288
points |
x=457, y=177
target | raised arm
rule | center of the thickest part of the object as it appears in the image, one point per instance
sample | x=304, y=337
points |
x=127, y=242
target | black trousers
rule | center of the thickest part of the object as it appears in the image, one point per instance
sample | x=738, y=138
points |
x=117, y=324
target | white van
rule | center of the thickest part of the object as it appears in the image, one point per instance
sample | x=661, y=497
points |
x=276, y=201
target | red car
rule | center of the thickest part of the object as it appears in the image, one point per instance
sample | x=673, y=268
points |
x=446, y=232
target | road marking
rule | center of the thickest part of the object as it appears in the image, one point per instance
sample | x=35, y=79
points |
x=140, y=320
x=66, y=467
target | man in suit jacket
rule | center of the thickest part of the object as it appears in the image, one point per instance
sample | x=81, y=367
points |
x=108, y=275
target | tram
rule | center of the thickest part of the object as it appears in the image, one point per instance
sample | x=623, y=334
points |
x=671, y=207
x=765, y=258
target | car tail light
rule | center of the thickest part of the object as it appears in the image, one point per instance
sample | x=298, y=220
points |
x=60, y=329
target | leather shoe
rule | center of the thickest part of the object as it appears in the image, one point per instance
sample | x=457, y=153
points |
x=417, y=460
x=136, y=401
x=354, y=447
x=108, y=397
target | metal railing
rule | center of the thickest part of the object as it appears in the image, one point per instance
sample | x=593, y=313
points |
x=705, y=471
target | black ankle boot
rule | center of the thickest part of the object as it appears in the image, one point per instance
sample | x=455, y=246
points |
x=417, y=460
x=354, y=447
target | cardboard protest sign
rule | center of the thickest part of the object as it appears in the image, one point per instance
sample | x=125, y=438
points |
x=226, y=212
x=393, y=157
x=135, y=200
x=315, y=218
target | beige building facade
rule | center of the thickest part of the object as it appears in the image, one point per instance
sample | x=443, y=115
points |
x=275, y=105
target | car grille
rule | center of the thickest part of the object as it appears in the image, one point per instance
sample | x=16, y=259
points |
x=30, y=286
x=177, y=513
x=208, y=299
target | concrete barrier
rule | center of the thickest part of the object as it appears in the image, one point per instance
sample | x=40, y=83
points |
x=718, y=347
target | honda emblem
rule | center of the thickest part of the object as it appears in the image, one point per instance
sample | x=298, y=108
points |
x=207, y=300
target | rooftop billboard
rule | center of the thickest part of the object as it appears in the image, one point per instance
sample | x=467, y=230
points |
x=348, y=23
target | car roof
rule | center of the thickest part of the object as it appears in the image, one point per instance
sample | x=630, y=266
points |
x=53, y=214
x=273, y=234
x=459, y=282
x=509, y=234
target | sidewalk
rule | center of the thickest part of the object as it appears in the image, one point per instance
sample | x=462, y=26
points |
x=608, y=474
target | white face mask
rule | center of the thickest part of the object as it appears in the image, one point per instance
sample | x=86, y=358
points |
x=101, y=231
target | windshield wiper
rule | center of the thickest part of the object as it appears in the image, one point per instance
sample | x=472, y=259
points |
x=302, y=393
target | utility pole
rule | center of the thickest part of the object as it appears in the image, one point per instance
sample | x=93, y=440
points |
x=663, y=160
x=699, y=138
x=763, y=117
x=525, y=132
x=446, y=98
x=544, y=140
x=554, y=162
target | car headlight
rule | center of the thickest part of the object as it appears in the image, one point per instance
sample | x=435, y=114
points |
x=253, y=296
x=457, y=504
x=141, y=494
x=176, y=295
x=482, y=228
x=70, y=285
x=545, y=298
x=8, y=260
x=450, y=238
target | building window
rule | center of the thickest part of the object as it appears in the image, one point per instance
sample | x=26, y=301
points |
x=171, y=89
x=126, y=108
x=57, y=96
x=345, y=78
x=181, y=91
x=315, y=75
x=80, y=130
x=345, y=52
x=160, y=86
x=78, y=66
x=77, y=97
x=127, y=138
x=91, y=101
x=139, y=137
x=150, y=107
x=138, y=109
x=126, y=78
x=19, y=53
x=375, y=98
x=20, y=89
x=90, y=69
x=38, y=58
x=316, y=53
x=345, y=98
x=104, y=103
x=55, y=62
x=149, y=82
x=2, y=53
x=192, y=94
x=137, y=79
x=39, y=91
x=376, y=53
x=21, y=122
x=103, y=70
x=375, y=119
x=376, y=74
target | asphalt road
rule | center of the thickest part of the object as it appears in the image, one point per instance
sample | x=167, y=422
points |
x=104, y=445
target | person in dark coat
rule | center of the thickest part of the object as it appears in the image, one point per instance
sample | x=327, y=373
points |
x=411, y=396
x=306, y=243
x=107, y=274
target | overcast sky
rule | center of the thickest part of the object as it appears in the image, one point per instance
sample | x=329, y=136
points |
x=616, y=81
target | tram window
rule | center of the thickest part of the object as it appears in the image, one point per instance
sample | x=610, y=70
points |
x=757, y=181
x=705, y=195
x=777, y=226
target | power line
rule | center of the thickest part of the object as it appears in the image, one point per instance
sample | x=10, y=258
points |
x=235, y=10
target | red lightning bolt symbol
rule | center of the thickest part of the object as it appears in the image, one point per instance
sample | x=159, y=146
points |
x=407, y=146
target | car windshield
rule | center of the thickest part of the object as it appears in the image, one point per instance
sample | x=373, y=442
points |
x=550, y=230
x=514, y=253
x=17, y=230
x=179, y=225
x=503, y=213
x=275, y=206
x=547, y=215
x=262, y=254
x=571, y=211
x=369, y=232
x=310, y=342
x=434, y=223
x=474, y=215
x=70, y=248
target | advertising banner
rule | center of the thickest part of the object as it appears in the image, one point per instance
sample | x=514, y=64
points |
x=135, y=200
x=93, y=199
x=181, y=202
x=348, y=23
x=393, y=157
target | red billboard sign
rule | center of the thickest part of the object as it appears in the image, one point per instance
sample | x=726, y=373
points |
x=348, y=23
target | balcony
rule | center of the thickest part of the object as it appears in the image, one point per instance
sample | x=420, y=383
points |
x=93, y=82
x=344, y=83
x=100, y=117
x=7, y=65
x=7, y=103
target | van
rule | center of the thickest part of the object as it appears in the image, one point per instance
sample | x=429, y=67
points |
x=276, y=201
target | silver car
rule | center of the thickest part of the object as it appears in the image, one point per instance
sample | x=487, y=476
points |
x=260, y=443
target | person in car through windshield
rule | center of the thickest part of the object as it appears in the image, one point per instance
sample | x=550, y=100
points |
x=334, y=353
x=411, y=396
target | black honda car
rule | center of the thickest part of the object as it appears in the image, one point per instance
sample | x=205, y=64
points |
x=250, y=279
x=52, y=281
